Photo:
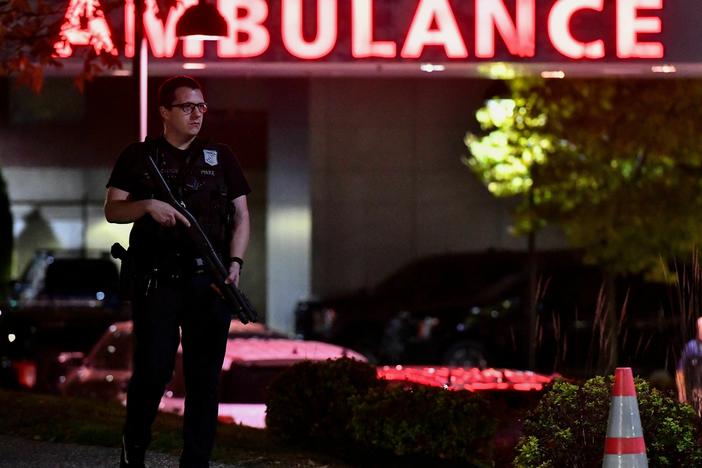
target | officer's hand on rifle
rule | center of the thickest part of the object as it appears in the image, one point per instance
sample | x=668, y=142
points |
x=234, y=274
x=164, y=214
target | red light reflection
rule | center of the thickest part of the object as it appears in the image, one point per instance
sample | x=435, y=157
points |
x=26, y=372
x=461, y=378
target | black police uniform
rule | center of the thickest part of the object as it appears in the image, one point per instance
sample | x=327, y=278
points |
x=172, y=297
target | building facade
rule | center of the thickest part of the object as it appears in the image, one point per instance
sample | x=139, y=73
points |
x=348, y=118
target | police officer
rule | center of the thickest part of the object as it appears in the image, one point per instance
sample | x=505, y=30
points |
x=173, y=300
x=688, y=374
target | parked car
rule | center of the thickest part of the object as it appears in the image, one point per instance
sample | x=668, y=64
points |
x=254, y=356
x=469, y=310
x=63, y=301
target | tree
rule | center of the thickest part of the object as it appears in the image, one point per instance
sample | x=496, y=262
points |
x=615, y=163
x=29, y=32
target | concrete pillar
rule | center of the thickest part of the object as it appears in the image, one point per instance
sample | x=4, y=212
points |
x=289, y=214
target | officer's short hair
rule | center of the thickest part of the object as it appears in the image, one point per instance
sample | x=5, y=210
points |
x=166, y=92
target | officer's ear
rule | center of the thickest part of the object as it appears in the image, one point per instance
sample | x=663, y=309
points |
x=163, y=112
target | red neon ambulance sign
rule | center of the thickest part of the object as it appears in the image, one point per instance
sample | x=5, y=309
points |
x=434, y=24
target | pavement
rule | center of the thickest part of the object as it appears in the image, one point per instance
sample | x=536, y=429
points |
x=20, y=453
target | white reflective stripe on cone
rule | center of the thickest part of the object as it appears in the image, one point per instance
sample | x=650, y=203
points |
x=624, y=419
x=625, y=461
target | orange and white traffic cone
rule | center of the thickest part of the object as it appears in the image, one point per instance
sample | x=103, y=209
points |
x=624, y=447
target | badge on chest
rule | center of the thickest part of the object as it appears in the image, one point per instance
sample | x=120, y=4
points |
x=210, y=157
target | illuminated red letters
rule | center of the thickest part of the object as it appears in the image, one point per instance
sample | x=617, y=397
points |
x=362, y=44
x=629, y=25
x=434, y=24
x=447, y=33
x=519, y=38
x=559, y=29
x=327, y=24
x=251, y=24
x=95, y=32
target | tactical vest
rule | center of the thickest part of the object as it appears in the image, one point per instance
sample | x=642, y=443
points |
x=199, y=181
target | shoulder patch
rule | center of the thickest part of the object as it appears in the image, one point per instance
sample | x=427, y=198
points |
x=210, y=157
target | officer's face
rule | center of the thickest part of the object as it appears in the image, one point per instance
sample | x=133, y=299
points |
x=175, y=119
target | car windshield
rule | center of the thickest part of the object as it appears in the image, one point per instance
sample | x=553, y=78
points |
x=451, y=277
x=80, y=277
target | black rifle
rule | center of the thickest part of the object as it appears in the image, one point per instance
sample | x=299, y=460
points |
x=234, y=298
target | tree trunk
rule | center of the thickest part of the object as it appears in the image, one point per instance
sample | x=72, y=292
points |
x=531, y=300
x=608, y=323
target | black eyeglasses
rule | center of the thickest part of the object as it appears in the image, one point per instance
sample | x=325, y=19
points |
x=189, y=107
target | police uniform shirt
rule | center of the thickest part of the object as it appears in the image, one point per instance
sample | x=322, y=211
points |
x=690, y=363
x=206, y=176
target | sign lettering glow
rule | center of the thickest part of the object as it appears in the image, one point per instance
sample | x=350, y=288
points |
x=446, y=34
x=434, y=26
x=363, y=45
x=559, y=29
x=520, y=38
x=293, y=37
x=84, y=24
x=629, y=25
x=245, y=18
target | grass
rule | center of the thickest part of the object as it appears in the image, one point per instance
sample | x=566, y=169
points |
x=98, y=422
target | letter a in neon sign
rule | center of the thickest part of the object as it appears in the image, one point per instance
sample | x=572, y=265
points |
x=84, y=24
x=160, y=34
x=446, y=34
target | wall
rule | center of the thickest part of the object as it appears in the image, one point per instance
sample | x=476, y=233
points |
x=388, y=184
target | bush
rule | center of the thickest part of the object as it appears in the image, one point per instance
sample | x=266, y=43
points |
x=568, y=427
x=425, y=421
x=310, y=400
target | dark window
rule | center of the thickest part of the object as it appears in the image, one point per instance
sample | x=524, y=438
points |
x=81, y=277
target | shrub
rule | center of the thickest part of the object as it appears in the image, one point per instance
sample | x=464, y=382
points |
x=310, y=400
x=425, y=421
x=568, y=427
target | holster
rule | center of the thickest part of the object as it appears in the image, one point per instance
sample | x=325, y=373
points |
x=127, y=273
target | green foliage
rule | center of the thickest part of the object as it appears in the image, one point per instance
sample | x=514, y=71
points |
x=426, y=421
x=615, y=163
x=342, y=404
x=311, y=400
x=569, y=426
x=505, y=158
x=6, y=239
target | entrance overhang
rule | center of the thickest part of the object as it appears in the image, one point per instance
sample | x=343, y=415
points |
x=492, y=70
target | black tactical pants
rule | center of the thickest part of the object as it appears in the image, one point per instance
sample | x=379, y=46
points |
x=160, y=314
